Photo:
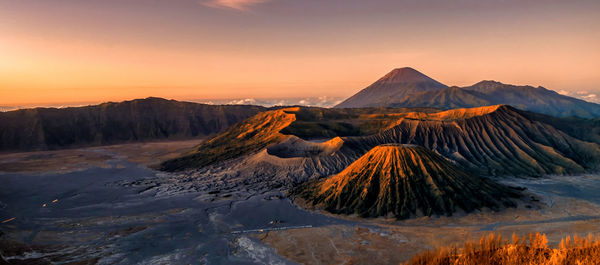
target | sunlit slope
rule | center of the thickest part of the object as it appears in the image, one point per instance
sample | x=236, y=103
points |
x=280, y=130
x=405, y=181
x=494, y=140
x=249, y=136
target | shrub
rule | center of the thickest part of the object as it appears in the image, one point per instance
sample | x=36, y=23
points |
x=532, y=250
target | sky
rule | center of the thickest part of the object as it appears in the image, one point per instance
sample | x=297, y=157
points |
x=61, y=51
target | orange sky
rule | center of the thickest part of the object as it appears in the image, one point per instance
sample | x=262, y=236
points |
x=84, y=51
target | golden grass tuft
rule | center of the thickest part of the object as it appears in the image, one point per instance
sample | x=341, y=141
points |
x=532, y=250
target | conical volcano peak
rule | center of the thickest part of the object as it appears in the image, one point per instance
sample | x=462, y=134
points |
x=392, y=87
x=405, y=75
x=405, y=181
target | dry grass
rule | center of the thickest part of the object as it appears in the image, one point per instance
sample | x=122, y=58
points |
x=532, y=250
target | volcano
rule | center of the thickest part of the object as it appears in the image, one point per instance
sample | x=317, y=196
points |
x=486, y=141
x=391, y=88
x=405, y=181
x=409, y=88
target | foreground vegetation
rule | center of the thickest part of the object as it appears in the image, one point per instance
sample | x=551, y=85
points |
x=532, y=250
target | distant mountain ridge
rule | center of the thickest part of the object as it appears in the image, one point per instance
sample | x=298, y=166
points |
x=112, y=123
x=402, y=93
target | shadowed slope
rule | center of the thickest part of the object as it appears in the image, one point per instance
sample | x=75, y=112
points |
x=404, y=181
x=321, y=123
x=449, y=98
x=485, y=93
x=408, y=88
x=137, y=120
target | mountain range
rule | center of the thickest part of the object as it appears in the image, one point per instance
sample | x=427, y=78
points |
x=405, y=146
x=494, y=141
x=407, y=87
x=137, y=120
x=393, y=162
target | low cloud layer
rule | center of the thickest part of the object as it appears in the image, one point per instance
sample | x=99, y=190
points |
x=585, y=95
x=308, y=101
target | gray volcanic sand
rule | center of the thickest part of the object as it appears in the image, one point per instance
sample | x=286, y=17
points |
x=99, y=214
x=578, y=187
x=125, y=213
x=567, y=205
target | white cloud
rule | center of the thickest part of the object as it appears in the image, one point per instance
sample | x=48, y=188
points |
x=563, y=92
x=248, y=101
x=590, y=96
x=280, y=103
x=269, y=102
x=234, y=4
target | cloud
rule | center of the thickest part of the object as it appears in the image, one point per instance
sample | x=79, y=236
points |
x=247, y=101
x=322, y=101
x=234, y=4
x=590, y=96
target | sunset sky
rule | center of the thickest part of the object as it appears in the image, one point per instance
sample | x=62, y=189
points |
x=99, y=50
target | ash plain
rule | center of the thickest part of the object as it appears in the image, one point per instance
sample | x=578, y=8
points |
x=114, y=209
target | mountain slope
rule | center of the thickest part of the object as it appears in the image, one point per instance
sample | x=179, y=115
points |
x=276, y=130
x=404, y=181
x=112, y=123
x=537, y=99
x=494, y=141
x=449, y=98
x=394, y=86
x=247, y=137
